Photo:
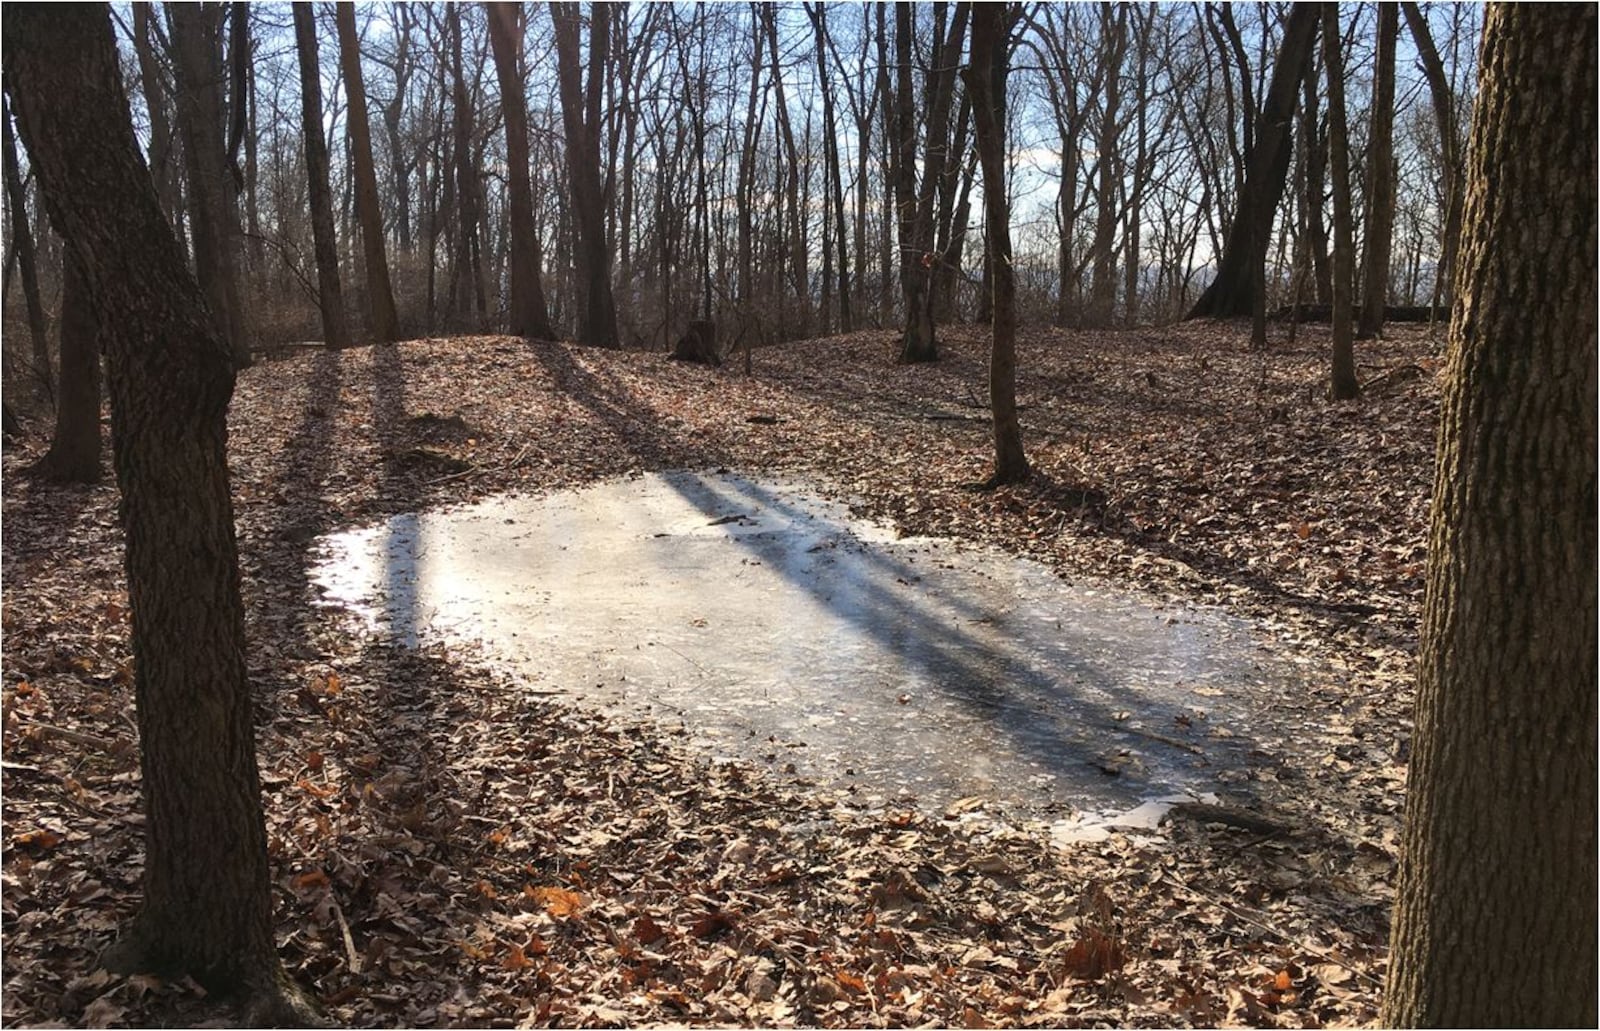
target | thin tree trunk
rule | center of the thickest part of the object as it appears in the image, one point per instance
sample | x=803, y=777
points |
x=198, y=64
x=1380, y=181
x=329, y=297
x=1494, y=921
x=530, y=317
x=1344, y=382
x=383, y=323
x=74, y=455
x=162, y=166
x=985, y=78
x=22, y=246
x=1449, y=146
x=580, y=114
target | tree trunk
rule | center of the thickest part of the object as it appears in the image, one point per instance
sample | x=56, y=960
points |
x=1344, y=383
x=22, y=243
x=1495, y=907
x=162, y=166
x=467, y=298
x=197, y=63
x=580, y=116
x=329, y=297
x=1315, y=188
x=207, y=894
x=529, y=315
x=382, y=322
x=985, y=78
x=918, y=342
x=1231, y=293
x=1380, y=181
x=1444, y=115
x=74, y=455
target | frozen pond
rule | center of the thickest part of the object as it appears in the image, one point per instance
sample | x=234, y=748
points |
x=779, y=628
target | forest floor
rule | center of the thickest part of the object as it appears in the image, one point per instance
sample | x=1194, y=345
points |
x=451, y=848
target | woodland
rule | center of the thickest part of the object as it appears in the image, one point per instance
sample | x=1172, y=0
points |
x=1283, y=310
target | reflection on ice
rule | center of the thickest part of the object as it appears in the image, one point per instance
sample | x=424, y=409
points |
x=776, y=626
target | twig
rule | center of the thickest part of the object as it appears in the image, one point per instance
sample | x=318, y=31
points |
x=112, y=745
x=344, y=932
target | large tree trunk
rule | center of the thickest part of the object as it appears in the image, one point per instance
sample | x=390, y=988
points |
x=529, y=315
x=1344, y=384
x=382, y=321
x=1380, y=181
x=207, y=895
x=197, y=61
x=1495, y=906
x=580, y=116
x=22, y=243
x=1232, y=292
x=985, y=78
x=74, y=455
x=329, y=297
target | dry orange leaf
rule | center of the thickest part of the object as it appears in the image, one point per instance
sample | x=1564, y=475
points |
x=516, y=959
x=1282, y=982
x=851, y=981
x=40, y=839
x=1095, y=955
x=314, y=761
x=648, y=931
x=311, y=879
x=318, y=790
x=557, y=902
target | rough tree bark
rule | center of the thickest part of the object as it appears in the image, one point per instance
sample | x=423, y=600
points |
x=1495, y=907
x=985, y=79
x=207, y=896
x=1232, y=292
x=530, y=317
x=1344, y=384
x=1380, y=181
x=580, y=117
x=329, y=297
x=382, y=321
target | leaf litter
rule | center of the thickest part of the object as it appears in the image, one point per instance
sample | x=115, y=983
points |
x=452, y=847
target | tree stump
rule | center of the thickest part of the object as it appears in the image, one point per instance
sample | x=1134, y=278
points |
x=698, y=344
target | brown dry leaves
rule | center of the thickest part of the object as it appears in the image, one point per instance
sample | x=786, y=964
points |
x=451, y=848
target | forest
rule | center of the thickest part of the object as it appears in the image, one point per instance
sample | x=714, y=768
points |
x=802, y=514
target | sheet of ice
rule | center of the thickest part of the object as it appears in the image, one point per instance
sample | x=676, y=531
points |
x=777, y=627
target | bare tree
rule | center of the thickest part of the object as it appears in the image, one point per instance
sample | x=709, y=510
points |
x=383, y=322
x=1344, y=383
x=985, y=77
x=329, y=297
x=1380, y=181
x=581, y=117
x=1232, y=292
x=529, y=315
x=207, y=907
